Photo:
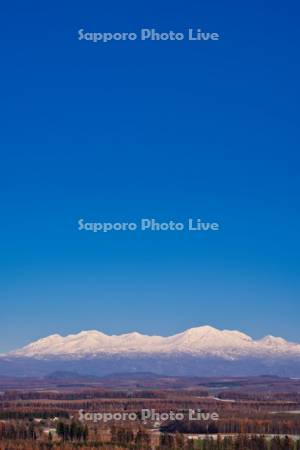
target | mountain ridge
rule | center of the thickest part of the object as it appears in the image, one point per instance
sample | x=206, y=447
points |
x=203, y=341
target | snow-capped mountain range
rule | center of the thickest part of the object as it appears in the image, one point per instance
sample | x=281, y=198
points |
x=204, y=351
x=204, y=341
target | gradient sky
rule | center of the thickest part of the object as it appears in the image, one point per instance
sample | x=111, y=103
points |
x=149, y=129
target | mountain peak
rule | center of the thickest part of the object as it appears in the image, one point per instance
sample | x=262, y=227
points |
x=202, y=330
x=273, y=340
x=94, y=333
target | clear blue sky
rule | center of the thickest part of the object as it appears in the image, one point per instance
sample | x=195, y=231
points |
x=146, y=129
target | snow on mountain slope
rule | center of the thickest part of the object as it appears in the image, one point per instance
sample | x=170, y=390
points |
x=202, y=341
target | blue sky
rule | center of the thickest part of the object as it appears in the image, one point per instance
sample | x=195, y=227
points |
x=149, y=129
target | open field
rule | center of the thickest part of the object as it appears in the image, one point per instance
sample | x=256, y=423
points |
x=148, y=411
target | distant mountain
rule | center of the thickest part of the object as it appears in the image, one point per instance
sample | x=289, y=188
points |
x=212, y=351
x=201, y=341
x=70, y=376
